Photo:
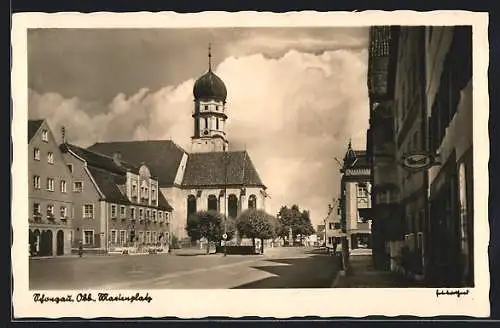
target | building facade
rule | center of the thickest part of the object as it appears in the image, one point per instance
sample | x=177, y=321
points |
x=355, y=200
x=118, y=206
x=387, y=226
x=208, y=177
x=450, y=115
x=428, y=85
x=50, y=195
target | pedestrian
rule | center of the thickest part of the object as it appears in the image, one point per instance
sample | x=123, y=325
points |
x=80, y=249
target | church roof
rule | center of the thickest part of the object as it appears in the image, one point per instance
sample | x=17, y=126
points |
x=207, y=169
x=33, y=126
x=162, y=157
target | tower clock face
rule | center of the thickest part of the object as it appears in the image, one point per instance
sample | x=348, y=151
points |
x=205, y=132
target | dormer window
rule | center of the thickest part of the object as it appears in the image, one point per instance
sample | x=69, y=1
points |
x=45, y=135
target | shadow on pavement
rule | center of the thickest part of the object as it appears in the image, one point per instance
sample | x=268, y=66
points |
x=316, y=271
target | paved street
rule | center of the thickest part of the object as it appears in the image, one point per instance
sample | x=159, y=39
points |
x=278, y=268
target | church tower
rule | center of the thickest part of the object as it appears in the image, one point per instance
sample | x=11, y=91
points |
x=209, y=114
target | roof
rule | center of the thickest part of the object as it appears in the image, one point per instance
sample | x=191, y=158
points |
x=361, y=159
x=208, y=169
x=108, y=183
x=109, y=176
x=162, y=157
x=33, y=126
x=100, y=160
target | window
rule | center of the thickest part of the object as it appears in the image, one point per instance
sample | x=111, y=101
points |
x=113, y=211
x=77, y=186
x=141, y=237
x=217, y=123
x=122, y=211
x=88, y=237
x=160, y=215
x=50, y=157
x=141, y=213
x=50, y=210
x=36, y=154
x=134, y=190
x=37, y=184
x=191, y=205
x=62, y=186
x=154, y=215
x=206, y=123
x=36, y=209
x=362, y=191
x=50, y=184
x=154, y=237
x=45, y=135
x=206, y=107
x=252, y=201
x=114, y=236
x=147, y=214
x=148, y=237
x=70, y=167
x=153, y=194
x=63, y=211
x=132, y=213
x=88, y=211
x=212, y=203
x=330, y=226
x=123, y=237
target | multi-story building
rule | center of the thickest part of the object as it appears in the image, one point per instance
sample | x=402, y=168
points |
x=117, y=204
x=387, y=227
x=355, y=201
x=333, y=229
x=449, y=102
x=49, y=192
x=410, y=119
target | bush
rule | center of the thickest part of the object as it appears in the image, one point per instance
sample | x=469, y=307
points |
x=175, y=242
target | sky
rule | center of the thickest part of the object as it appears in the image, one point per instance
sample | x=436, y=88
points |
x=295, y=95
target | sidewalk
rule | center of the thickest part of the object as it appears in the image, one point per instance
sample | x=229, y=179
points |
x=361, y=274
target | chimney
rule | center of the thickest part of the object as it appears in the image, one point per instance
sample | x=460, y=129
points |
x=63, y=134
x=117, y=158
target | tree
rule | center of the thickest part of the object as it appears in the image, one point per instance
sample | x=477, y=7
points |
x=205, y=224
x=253, y=223
x=292, y=218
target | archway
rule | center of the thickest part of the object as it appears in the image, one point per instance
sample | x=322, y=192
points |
x=32, y=242
x=46, y=243
x=191, y=205
x=212, y=203
x=232, y=206
x=252, y=202
x=60, y=243
x=36, y=242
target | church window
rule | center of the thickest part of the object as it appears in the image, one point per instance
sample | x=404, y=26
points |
x=191, y=205
x=212, y=203
x=252, y=202
x=232, y=206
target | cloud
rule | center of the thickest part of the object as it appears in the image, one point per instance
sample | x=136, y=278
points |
x=293, y=114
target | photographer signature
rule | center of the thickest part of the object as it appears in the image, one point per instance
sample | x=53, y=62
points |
x=456, y=292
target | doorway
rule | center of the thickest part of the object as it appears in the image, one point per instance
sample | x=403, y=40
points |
x=60, y=242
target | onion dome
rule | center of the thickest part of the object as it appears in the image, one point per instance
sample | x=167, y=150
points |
x=210, y=86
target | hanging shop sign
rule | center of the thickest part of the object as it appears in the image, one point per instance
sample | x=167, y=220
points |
x=418, y=161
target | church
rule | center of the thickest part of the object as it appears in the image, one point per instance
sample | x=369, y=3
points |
x=211, y=175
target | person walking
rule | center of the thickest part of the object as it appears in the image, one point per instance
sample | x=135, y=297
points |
x=80, y=249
